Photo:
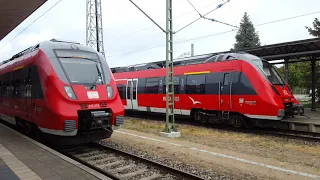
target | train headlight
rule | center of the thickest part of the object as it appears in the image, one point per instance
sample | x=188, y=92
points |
x=70, y=92
x=109, y=91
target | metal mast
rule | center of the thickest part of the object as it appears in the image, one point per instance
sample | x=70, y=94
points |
x=169, y=63
x=94, y=28
x=169, y=70
x=192, y=50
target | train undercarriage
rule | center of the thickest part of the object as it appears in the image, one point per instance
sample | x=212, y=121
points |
x=238, y=120
x=92, y=126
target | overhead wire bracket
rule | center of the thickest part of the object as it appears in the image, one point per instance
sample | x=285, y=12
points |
x=147, y=16
x=203, y=16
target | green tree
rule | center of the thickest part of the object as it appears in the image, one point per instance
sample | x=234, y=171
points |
x=315, y=31
x=246, y=36
x=299, y=74
x=316, y=28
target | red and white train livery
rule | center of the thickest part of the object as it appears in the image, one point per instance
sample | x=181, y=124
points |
x=227, y=87
x=63, y=90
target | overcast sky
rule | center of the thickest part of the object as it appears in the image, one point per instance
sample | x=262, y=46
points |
x=120, y=17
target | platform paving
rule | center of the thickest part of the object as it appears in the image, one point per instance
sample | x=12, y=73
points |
x=25, y=159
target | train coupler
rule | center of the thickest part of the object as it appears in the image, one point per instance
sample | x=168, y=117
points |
x=99, y=119
x=298, y=109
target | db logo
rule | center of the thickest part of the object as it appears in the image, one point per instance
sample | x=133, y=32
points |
x=285, y=92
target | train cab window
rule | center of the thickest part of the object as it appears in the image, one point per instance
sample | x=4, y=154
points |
x=195, y=84
x=226, y=79
x=220, y=58
x=152, y=85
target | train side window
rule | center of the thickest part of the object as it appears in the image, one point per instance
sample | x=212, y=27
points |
x=141, y=85
x=23, y=84
x=152, y=85
x=36, y=91
x=162, y=85
x=16, y=82
x=182, y=84
x=122, y=91
x=176, y=84
x=1, y=86
x=212, y=83
x=7, y=85
x=226, y=79
x=195, y=84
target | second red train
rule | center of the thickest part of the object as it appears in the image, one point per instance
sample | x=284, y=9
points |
x=237, y=88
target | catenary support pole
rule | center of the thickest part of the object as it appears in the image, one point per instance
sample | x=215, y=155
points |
x=169, y=70
x=286, y=70
x=313, y=82
x=170, y=99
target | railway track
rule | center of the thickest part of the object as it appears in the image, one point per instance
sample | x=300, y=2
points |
x=284, y=133
x=121, y=165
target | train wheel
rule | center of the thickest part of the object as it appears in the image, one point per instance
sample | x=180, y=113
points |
x=238, y=121
x=30, y=129
x=203, y=119
x=196, y=115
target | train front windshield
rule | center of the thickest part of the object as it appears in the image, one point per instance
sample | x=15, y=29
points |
x=82, y=71
x=82, y=67
x=272, y=74
x=266, y=69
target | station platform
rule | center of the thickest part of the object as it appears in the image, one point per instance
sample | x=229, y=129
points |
x=23, y=158
x=310, y=122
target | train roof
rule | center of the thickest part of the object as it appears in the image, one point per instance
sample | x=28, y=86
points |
x=45, y=45
x=200, y=59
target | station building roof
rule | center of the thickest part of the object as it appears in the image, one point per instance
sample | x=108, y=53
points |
x=13, y=12
x=288, y=50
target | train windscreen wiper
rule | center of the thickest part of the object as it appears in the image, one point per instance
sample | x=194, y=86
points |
x=97, y=78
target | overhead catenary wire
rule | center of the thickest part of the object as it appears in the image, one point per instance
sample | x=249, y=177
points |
x=211, y=19
x=146, y=28
x=147, y=16
x=194, y=8
x=30, y=25
x=219, y=6
x=215, y=34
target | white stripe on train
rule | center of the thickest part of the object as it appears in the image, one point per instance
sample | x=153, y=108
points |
x=187, y=112
x=12, y=120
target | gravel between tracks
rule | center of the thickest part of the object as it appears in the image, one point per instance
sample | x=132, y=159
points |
x=166, y=161
x=287, y=153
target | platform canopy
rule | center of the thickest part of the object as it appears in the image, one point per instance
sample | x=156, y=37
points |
x=13, y=12
x=288, y=50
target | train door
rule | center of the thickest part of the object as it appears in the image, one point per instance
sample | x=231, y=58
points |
x=225, y=92
x=131, y=94
x=28, y=96
x=134, y=96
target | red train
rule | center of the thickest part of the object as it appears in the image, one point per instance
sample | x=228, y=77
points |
x=237, y=88
x=63, y=90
